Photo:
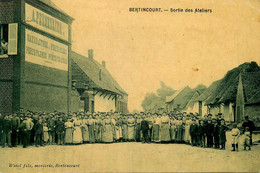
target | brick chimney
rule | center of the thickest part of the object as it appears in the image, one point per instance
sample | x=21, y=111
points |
x=104, y=64
x=90, y=54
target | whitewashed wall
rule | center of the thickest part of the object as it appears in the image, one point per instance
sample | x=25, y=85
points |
x=195, y=108
x=103, y=104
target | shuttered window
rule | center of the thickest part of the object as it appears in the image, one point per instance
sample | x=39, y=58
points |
x=12, y=39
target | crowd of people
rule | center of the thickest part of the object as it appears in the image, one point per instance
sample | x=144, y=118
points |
x=42, y=129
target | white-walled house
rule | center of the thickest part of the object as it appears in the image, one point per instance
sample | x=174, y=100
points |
x=237, y=94
x=99, y=91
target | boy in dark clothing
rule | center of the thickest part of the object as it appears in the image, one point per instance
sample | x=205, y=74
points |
x=216, y=134
x=193, y=132
x=222, y=134
x=209, y=133
x=201, y=133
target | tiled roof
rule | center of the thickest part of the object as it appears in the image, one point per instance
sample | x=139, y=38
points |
x=91, y=69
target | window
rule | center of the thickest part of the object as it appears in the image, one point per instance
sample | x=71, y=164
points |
x=8, y=39
x=4, y=39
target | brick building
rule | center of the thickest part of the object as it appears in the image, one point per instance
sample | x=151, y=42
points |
x=35, y=68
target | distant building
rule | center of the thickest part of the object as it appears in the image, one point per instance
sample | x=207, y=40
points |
x=98, y=90
x=184, y=99
x=200, y=105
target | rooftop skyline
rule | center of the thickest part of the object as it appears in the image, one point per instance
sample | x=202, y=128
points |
x=180, y=49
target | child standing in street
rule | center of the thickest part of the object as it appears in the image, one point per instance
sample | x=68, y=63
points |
x=247, y=139
x=235, y=132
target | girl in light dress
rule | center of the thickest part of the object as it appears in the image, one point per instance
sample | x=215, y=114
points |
x=45, y=133
x=69, y=131
x=77, y=133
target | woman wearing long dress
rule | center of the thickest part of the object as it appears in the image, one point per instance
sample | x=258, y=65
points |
x=165, y=128
x=131, y=128
x=107, y=130
x=45, y=133
x=179, y=130
x=173, y=129
x=138, y=129
x=85, y=132
x=91, y=129
x=117, y=130
x=186, y=136
x=156, y=129
x=68, y=132
x=97, y=129
x=124, y=129
x=77, y=134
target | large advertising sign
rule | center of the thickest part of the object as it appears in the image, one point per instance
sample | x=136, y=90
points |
x=44, y=51
x=45, y=22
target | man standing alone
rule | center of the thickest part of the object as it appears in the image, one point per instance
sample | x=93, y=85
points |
x=248, y=123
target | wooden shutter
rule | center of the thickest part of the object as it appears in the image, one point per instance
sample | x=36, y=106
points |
x=12, y=38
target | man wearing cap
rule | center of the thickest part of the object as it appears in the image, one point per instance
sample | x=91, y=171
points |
x=248, y=123
x=193, y=129
x=26, y=127
x=219, y=118
x=38, y=133
x=7, y=130
x=51, y=125
x=145, y=129
x=15, y=121
x=209, y=133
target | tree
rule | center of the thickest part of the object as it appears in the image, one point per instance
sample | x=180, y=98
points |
x=154, y=101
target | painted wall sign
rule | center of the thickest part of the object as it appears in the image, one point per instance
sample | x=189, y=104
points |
x=44, y=51
x=46, y=22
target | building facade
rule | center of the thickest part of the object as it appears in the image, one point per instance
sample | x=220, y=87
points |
x=98, y=90
x=35, y=72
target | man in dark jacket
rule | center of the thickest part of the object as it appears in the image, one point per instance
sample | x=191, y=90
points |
x=193, y=132
x=248, y=123
x=145, y=129
x=7, y=130
x=60, y=128
x=201, y=133
x=15, y=129
x=209, y=133
x=216, y=133
x=51, y=123
x=38, y=133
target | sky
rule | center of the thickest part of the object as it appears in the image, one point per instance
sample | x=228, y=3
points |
x=180, y=49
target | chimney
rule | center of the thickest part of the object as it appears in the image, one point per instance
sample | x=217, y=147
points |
x=90, y=54
x=104, y=64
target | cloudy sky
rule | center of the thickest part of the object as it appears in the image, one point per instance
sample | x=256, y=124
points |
x=142, y=49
